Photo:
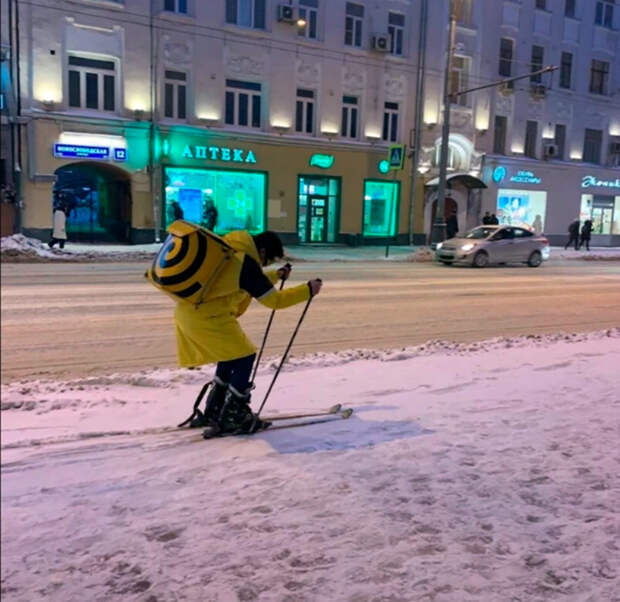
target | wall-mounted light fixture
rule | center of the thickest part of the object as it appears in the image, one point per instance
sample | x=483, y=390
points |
x=281, y=128
x=209, y=121
x=138, y=114
x=48, y=104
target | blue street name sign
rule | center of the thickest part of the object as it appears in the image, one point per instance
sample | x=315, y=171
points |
x=77, y=150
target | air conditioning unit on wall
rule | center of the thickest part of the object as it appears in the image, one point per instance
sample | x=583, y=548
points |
x=381, y=42
x=550, y=150
x=287, y=13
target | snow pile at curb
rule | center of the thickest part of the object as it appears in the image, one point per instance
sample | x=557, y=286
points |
x=13, y=394
x=18, y=245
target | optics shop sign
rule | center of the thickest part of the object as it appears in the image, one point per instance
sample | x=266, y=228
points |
x=593, y=182
x=89, y=152
x=218, y=153
x=522, y=176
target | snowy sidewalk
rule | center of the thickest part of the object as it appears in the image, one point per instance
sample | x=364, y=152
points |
x=21, y=248
x=485, y=472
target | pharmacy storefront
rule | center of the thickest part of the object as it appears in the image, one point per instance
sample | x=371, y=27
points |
x=600, y=202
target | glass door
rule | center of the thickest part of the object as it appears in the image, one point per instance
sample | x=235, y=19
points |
x=318, y=219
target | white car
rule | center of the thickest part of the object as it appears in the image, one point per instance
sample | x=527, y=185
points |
x=486, y=245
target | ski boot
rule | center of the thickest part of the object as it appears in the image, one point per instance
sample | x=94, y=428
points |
x=214, y=404
x=236, y=416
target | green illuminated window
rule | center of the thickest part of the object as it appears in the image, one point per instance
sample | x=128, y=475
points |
x=381, y=201
x=238, y=197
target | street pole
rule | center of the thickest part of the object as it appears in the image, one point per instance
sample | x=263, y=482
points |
x=439, y=226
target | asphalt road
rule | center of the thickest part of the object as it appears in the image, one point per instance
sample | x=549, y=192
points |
x=68, y=320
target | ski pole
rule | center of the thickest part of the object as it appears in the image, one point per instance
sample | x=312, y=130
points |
x=262, y=347
x=288, y=348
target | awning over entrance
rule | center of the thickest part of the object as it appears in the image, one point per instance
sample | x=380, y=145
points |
x=463, y=178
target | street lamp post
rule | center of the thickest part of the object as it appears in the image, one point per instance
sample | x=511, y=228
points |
x=439, y=225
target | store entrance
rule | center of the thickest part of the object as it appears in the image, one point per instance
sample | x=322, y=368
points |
x=97, y=202
x=318, y=209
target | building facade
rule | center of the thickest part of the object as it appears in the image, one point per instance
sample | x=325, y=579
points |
x=282, y=116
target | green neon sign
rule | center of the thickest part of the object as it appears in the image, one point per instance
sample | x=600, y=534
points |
x=218, y=153
x=384, y=166
x=322, y=161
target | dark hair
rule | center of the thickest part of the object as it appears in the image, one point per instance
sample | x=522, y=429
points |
x=271, y=243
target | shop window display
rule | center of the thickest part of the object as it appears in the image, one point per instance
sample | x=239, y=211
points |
x=239, y=198
x=604, y=211
x=523, y=208
x=380, y=208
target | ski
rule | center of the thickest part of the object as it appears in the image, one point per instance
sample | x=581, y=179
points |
x=335, y=409
x=210, y=433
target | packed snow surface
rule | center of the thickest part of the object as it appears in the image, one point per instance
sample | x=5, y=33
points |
x=468, y=472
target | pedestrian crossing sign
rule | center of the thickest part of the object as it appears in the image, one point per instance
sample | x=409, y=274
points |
x=396, y=156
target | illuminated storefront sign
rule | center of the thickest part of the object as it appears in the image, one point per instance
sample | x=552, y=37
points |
x=219, y=153
x=83, y=145
x=322, y=161
x=384, y=166
x=521, y=177
x=592, y=181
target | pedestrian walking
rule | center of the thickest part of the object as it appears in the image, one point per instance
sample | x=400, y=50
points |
x=486, y=220
x=59, y=231
x=586, y=232
x=452, y=225
x=209, y=219
x=573, y=235
x=494, y=221
x=177, y=210
x=210, y=332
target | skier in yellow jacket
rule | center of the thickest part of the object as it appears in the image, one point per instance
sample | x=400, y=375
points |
x=210, y=333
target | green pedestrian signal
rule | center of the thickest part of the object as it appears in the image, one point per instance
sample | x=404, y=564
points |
x=396, y=156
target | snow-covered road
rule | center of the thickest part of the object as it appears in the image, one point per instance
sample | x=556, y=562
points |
x=62, y=320
x=468, y=473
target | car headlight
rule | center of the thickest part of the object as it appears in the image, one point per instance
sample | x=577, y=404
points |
x=468, y=247
x=439, y=245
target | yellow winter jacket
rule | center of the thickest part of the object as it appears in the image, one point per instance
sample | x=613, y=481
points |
x=210, y=332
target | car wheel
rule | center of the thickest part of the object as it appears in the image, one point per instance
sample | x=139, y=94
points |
x=445, y=262
x=535, y=259
x=481, y=259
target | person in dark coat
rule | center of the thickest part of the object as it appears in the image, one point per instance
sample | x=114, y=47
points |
x=486, y=220
x=452, y=225
x=177, y=210
x=209, y=218
x=586, y=232
x=494, y=221
x=573, y=235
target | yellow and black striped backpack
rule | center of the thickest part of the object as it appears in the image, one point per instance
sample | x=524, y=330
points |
x=189, y=262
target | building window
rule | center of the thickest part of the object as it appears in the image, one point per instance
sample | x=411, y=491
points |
x=304, y=111
x=599, y=77
x=176, y=6
x=348, y=127
x=531, y=139
x=458, y=79
x=309, y=12
x=463, y=12
x=538, y=53
x=390, y=122
x=541, y=4
x=92, y=83
x=381, y=208
x=246, y=13
x=499, y=139
x=506, y=47
x=560, y=140
x=396, y=29
x=603, y=210
x=566, y=69
x=243, y=103
x=569, y=8
x=353, y=23
x=592, y=144
x=175, y=95
x=604, y=13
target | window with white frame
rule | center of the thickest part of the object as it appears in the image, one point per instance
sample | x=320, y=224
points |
x=463, y=12
x=243, y=103
x=92, y=83
x=604, y=14
x=304, y=111
x=499, y=135
x=309, y=12
x=599, y=77
x=176, y=6
x=560, y=140
x=531, y=139
x=541, y=4
x=569, y=8
x=396, y=31
x=566, y=69
x=592, y=145
x=538, y=53
x=458, y=79
x=353, y=24
x=453, y=159
x=246, y=13
x=350, y=117
x=175, y=94
x=390, y=122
